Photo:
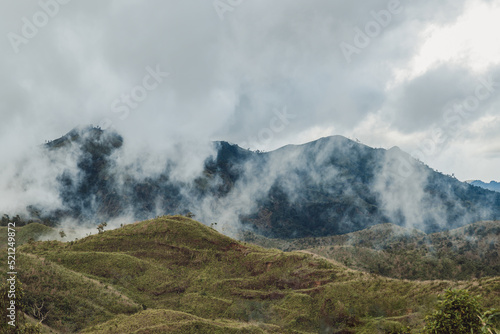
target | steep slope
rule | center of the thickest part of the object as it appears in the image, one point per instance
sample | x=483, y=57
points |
x=196, y=280
x=326, y=187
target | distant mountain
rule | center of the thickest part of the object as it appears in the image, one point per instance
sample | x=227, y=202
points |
x=493, y=186
x=326, y=187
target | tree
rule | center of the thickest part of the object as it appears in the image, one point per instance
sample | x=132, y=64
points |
x=17, y=220
x=62, y=234
x=101, y=226
x=38, y=312
x=456, y=312
x=5, y=220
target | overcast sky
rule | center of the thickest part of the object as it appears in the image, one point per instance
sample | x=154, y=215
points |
x=420, y=74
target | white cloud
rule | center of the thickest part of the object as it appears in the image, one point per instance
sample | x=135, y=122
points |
x=227, y=76
x=469, y=41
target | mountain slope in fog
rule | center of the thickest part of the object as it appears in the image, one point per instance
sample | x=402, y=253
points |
x=326, y=187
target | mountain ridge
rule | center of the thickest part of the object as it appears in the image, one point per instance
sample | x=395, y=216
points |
x=325, y=187
x=492, y=185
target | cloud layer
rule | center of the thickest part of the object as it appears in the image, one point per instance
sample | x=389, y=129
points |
x=232, y=68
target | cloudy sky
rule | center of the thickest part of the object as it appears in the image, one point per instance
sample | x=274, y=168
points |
x=422, y=75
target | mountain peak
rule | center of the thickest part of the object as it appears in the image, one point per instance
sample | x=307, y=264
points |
x=87, y=133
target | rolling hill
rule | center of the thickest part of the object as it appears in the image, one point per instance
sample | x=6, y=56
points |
x=468, y=252
x=173, y=274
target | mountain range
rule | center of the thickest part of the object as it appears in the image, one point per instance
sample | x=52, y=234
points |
x=493, y=185
x=327, y=187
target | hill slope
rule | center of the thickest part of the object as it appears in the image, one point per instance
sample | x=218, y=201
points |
x=24, y=233
x=199, y=280
x=468, y=252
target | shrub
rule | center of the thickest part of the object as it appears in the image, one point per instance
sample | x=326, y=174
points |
x=456, y=312
x=489, y=320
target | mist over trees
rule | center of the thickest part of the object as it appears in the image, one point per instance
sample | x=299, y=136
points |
x=326, y=187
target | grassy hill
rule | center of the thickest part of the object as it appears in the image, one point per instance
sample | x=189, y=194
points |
x=24, y=233
x=468, y=252
x=175, y=275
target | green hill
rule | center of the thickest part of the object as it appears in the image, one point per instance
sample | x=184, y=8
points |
x=468, y=252
x=175, y=275
x=24, y=233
